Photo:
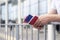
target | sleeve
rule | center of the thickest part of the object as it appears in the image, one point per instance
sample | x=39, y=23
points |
x=51, y=5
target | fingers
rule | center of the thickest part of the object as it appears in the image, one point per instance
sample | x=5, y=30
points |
x=38, y=24
x=40, y=27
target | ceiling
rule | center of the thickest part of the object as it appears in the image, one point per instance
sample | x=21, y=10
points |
x=1, y=1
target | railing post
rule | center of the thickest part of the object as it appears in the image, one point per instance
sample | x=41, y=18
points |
x=19, y=20
x=51, y=32
x=6, y=18
x=17, y=32
x=45, y=33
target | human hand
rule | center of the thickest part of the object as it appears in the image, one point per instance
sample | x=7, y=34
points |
x=42, y=20
x=38, y=24
x=45, y=19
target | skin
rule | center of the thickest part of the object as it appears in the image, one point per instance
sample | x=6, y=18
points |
x=51, y=16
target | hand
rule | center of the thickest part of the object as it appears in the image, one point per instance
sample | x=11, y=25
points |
x=38, y=24
x=42, y=20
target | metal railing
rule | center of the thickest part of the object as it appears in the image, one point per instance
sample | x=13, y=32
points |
x=23, y=32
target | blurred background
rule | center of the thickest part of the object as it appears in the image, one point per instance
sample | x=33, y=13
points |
x=12, y=14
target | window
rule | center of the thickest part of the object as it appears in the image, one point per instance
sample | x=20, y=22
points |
x=12, y=12
x=34, y=9
x=26, y=3
x=26, y=11
x=34, y=1
x=43, y=6
x=14, y=2
x=3, y=12
x=31, y=7
x=22, y=0
x=0, y=10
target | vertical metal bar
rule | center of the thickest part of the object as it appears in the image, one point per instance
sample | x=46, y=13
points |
x=13, y=32
x=0, y=13
x=49, y=4
x=51, y=32
x=59, y=28
x=38, y=7
x=17, y=32
x=26, y=33
x=10, y=33
x=22, y=17
x=6, y=18
x=45, y=36
x=19, y=11
x=29, y=6
x=54, y=32
x=31, y=33
x=38, y=34
x=38, y=15
x=19, y=19
x=22, y=31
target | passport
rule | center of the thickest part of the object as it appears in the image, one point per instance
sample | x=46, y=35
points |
x=30, y=19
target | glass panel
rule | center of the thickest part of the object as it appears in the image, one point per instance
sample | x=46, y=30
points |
x=12, y=13
x=22, y=9
x=14, y=2
x=26, y=11
x=3, y=15
x=43, y=7
x=34, y=1
x=26, y=3
x=34, y=9
x=0, y=13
